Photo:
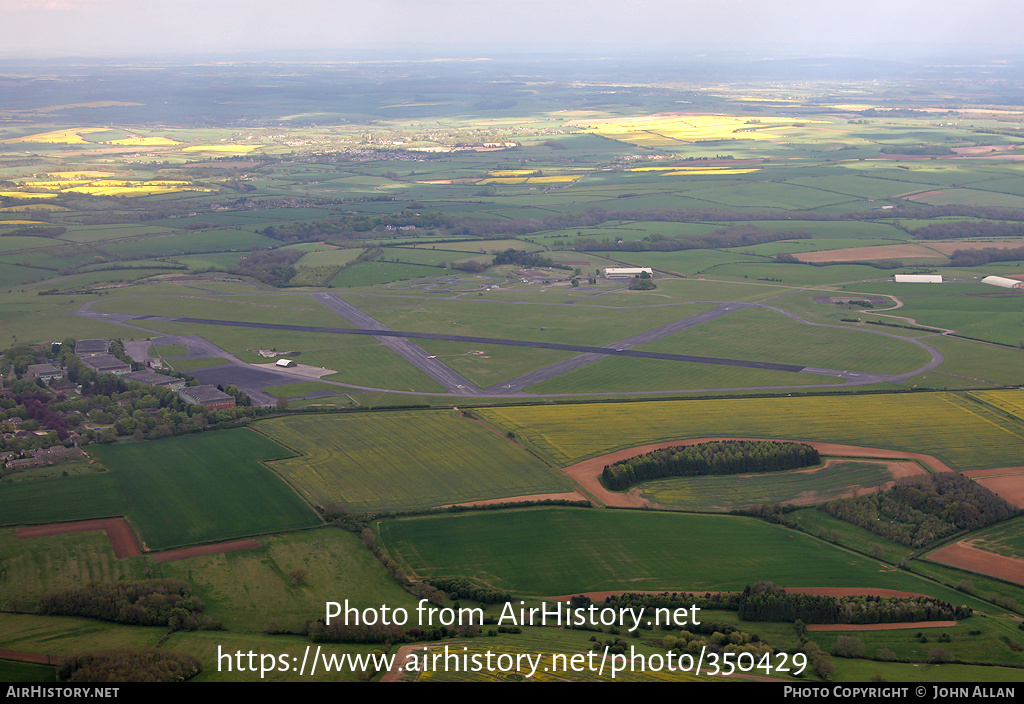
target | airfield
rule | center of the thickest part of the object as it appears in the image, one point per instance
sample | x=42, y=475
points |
x=435, y=269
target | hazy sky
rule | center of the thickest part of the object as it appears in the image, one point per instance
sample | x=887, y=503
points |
x=40, y=28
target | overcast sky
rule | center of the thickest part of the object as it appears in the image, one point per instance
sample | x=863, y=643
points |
x=54, y=28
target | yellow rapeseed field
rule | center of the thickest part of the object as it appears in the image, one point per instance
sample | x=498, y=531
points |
x=704, y=172
x=503, y=181
x=19, y=194
x=106, y=187
x=552, y=179
x=142, y=189
x=32, y=206
x=941, y=424
x=226, y=148
x=513, y=180
x=1011, y=401
x=654, y=130
x=693, y=170
x=70, y=136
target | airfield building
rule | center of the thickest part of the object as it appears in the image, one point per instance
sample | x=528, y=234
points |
x=207, y=395
x=106, y=364
x=1003, y=282
x=626, y=273
x=919, y=278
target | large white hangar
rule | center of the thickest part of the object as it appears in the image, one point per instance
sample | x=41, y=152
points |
x=1003, y=282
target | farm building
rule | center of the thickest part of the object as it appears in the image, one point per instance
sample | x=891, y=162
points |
x=1002, y=282
x=106, y=364
x=286, y=363
x=919, y=278
x=626, y=273
x=207, y=395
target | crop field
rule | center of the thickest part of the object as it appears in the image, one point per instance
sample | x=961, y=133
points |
x=67, y=136
x=404, y=460
x=65, y=499
x=34, y=566
x=1005, y=539
x=1011, y=402
x=563, y=551
x=334, y=562
x=370, y=273
x=727, y=493
x=941, y=424
x=68, y=635
x=184, y=490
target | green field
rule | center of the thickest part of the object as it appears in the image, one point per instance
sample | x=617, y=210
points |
x=404, y=460
x=185, y=490
x=629, y=374
x=369, y=273
x=988, y=315
x=764, y=335
x=824, y=526
x=554, y=551
x=34, y=566
x=63, y=499
x=60, y=636
x=334, y=566
x=728, y=493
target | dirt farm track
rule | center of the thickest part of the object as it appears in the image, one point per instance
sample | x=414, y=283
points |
x=122, y=539
x=588, y=472
x=120, y=534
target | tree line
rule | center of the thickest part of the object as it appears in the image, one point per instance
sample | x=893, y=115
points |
x=461, y=588
x=959, y=229
x=775, y=604
x=148, y=602
x=129, y=665
x=719, y=457
x=764, y=601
